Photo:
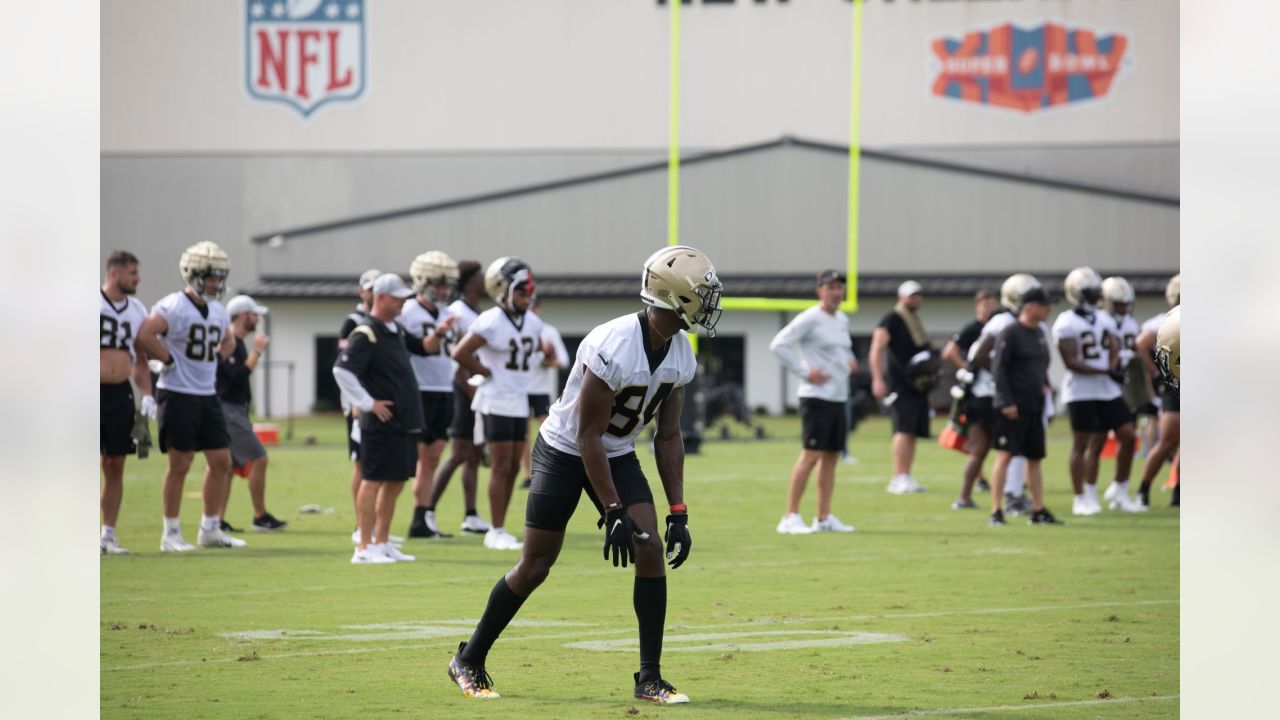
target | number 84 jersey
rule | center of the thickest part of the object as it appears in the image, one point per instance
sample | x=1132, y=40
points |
x=192, y=339
x=641, y=381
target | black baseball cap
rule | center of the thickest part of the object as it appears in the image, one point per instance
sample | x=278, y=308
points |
x=830, y=276
x=1038, y=295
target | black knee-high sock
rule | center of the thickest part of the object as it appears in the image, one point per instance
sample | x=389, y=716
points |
x=650, y=600
x=503, y=605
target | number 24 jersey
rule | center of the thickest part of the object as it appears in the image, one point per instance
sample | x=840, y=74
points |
x=192, y=339
x=1091, y=332
x=615, y=352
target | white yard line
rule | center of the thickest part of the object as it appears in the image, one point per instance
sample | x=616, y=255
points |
x=1031, y=705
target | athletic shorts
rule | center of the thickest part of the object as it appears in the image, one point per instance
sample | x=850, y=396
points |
x=910, y=412
x=558, y=479
x=822, y=424
x=245, y=445
x=539, y=405
x=189, y=423
x=1169, y=400
x=979, y=412
x=353, y=447
x=500, y=428
x=1098, y=416
x=115, y=419
x=464, y=418
x=1022, y=437
x=437, y=412
x=388, y=456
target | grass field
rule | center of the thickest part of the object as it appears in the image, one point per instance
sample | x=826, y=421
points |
x=923, y=609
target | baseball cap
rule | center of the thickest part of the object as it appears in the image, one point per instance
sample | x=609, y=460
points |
x=367, y=277
x=830, y=276
x=909, y=288
x=241, y=304
x=391, y=284
x=1038, y=295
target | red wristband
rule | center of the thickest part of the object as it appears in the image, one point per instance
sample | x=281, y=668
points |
x=679, y=508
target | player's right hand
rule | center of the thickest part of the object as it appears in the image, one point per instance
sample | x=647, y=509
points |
x=619, y=535
x=382, y=409
x=160, y=368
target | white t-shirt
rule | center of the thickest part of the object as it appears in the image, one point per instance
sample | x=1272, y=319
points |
x=546, y=378
x=510, y=351
x=434, y=373
x=119, y=325
x=615, y=353
x=192, y=339
x=816, y=339
x=1090, y=333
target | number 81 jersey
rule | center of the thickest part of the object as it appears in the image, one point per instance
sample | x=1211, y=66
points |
x=641, y=381
x=192, y=339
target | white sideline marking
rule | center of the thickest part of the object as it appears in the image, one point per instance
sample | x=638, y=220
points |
x=830, y=638
x=1031, y=705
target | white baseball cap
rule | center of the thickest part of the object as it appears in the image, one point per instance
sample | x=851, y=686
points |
x=241, y=304
x=391, y=284
x=367, y=277
x=909, y=288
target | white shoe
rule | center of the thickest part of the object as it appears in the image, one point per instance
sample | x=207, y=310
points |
x=173, y=542
x=912, y=485
x=831, y=524
x=1082, y=506
x=394, y=553
x=393, y=539
x=371, y=555
x=217, y=538
x=475, y=524
x=1124, y=503
x=848, y=459
x=793, y=524
x=111, y=546
x=898, y=486
x=1110, y=494
x=1095, y=507
x=500, y=539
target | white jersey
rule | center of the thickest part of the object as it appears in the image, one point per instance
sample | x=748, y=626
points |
x=1090, y=333
x=434, y=373
x=1127, y=330
x=616, y=352
x=1153, y=325
x=510, y=352
x=816, y=339
x=192, y=339
x=546, y=378
x=466, y=316
x=119, y=325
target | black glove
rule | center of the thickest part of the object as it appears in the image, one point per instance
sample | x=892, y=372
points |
x=677, y=538
x=619, y=530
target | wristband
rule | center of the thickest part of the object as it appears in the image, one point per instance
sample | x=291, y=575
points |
x=679, y=508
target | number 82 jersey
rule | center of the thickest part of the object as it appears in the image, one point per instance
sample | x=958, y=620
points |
x=641, y=381
x=192, y=339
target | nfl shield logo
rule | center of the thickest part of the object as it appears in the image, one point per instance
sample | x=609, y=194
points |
x=305, y=53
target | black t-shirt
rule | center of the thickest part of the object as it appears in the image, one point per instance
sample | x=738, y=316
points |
x=382, y=366
x=233, y=376
x=967, y=336
x=901, y=349
x=1021, y=368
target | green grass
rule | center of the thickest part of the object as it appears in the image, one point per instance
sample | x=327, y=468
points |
x=1017, y=617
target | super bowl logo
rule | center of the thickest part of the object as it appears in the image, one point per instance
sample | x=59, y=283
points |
x=305, y=53
x=1025, y=70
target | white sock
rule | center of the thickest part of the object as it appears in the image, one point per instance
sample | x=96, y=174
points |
x=108, y=531
x=210, y=522
x=1091, y=491
x=1016, y=477
x=172, y=525
x=1122, y=486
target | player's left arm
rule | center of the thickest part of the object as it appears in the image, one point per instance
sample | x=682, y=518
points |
x=668, y=449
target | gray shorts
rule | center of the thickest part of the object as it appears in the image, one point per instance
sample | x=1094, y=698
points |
x=245, y=445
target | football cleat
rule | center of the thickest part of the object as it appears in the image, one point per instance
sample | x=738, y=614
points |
x=217, y=538
x=793, y=524
x=423, y=530
x=269, y=523
x=997, y=519
x=474, y=681
x=173, y=542
x=898, y=486
x=658, y=692
x=475, y=524
x=500, y=539
x=111, y=546
x=831, y=524
x=1043, y=517
x=963, y=504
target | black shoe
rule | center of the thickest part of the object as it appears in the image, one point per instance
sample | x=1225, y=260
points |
x=983, y=485
x=423, y=530
x=997, y=519
x=658, y=691
x=226, y=527
x=963, y=504
x=526, y=484
x=1044, y=517
x=268, y=523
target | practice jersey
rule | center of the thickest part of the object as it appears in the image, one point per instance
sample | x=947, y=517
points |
x=1153, y=325
x=192, y=340
x=119, y=324
x=546, y=378
x=434, y=373
x=984, y=385
x=1127, y=330
x=1090, y=333
x=616, y=353
x=510, y=351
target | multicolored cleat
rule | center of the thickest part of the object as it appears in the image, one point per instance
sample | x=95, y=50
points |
x=475, y=682
x=658, y=692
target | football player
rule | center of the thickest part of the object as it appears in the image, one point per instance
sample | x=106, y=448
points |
x=626, y=372
x=120, y=317
x=544, y=385
x=977, y=408
x=425, y=317
x=500, y=347
x=1089, y=344
x=184, y=336
x=1170, y=423
x=1117, y=301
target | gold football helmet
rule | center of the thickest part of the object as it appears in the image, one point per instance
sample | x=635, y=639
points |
x=205, y=259
x=1013, y=288
x=504, y=276
x=433, y=270
x=1169, y=348
x=1173, y=291
x=1083, y=286
x=682, y=279
x=1117, y=290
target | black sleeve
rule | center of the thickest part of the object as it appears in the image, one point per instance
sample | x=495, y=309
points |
x=348, y=324
x=1000, y=368
x=968, y=335
x=412, y=343
x=887, y=322
x=356, y=356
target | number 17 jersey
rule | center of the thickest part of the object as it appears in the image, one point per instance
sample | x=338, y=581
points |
x=641, y=381
x=511, y=349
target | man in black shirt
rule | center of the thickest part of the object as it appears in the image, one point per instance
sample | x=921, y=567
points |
x=908, y=381
x=1021, y=370
x=374, y=371
x=248, y=456
x=977, y=410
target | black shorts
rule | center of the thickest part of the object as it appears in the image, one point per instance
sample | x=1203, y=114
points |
x=464, y=418
x=189, y=423
x=1022, y=437
x=539, y=405
x=910, y=412
x=437, y=412
x=558, y=479
x=500, y=428
x=1098, y=416
x=1169, y=400
x=353, y=447
x=978, y=411
x=388, y=456
x=823, y=424
x=115, y=419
